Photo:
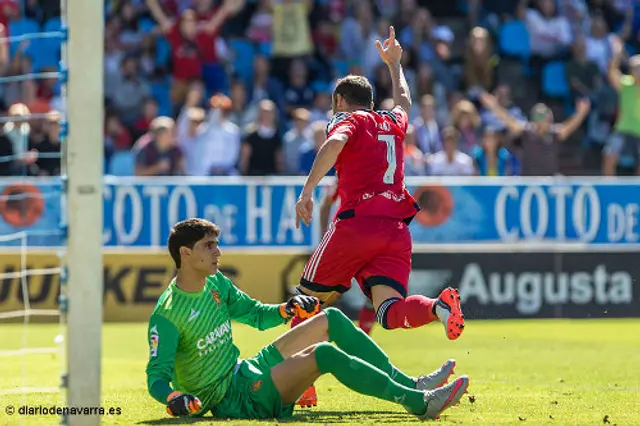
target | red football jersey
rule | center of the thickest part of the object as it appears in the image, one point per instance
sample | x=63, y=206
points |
x=370, y=168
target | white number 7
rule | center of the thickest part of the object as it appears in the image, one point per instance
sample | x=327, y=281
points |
x=390, y=140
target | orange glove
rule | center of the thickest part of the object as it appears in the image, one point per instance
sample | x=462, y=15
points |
x=182, y=404
x=301, y=306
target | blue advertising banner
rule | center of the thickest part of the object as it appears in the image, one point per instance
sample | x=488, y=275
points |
x=138, y=212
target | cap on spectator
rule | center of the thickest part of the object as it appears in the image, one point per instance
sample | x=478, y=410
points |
x=19, y=109
x=301, y=114
x=160, y=124
x=443, y=33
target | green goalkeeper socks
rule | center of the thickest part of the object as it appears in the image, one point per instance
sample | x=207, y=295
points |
x=364, y=378
x=355, y=342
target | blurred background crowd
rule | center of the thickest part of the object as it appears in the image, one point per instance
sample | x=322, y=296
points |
x=243, y=87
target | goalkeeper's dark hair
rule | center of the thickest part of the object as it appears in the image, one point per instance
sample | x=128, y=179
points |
x=188, y=232
x=355, y=89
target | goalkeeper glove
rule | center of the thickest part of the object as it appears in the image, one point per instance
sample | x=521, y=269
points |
x=182, y=404
x=301, y=306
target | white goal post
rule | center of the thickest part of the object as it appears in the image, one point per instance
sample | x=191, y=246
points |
x=83, y=167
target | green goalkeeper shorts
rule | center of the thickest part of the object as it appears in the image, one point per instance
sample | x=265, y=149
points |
x=252, y=394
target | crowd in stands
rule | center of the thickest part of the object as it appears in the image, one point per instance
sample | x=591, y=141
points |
x=243, y=87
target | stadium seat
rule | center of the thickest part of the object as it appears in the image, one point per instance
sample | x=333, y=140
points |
x=21, y=27
x=513, y=40
x=123, y=163
x=46, y=52
x=146, y=25
x=161, y=92
x=340, y=66
x=243, y=53
x=163, y=51
x=554, y=80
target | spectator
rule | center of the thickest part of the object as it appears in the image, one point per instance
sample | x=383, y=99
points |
x=414, y=163
x=242, y=113
x=427, y=129
x=309, y=150
x=539, y=137
x=291, y=32
x=480, y=62
x=193, y=42
x=298, y=93
x=261, y=153
x=491, y=159
x=264, y=86
x=466, y=119
x=191, y=132
x=550, y=33
x=450, y=161
x=222, y=147
x=117, y=137
x=502, y=93
x=624, y=143
x=149, y=112
x=129, y=91
x=295, y=139
x=583, y=75
x=48, y=149
x=157, y=153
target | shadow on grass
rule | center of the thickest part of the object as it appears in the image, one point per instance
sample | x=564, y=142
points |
x=320, y=417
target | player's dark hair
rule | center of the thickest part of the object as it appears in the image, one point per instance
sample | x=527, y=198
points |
x=355, y=89
x=188, y=232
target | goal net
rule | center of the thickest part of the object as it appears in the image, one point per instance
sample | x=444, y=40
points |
x=51, y=275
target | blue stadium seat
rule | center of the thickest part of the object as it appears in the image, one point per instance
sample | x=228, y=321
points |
x=123, y=163
x=163, y=51
x=146, y=25
x=21, y=27
x=513, y=40
x=244, y=53
x=554, y=80
x=46, y=52
x=161, y=92
x=340, y=66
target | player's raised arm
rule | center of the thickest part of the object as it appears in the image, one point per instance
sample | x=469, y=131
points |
x=391, y=54
x=163, y=343
x=262, y=316
x=325, y=160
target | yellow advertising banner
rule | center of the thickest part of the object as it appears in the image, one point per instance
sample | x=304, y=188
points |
x=133, y=281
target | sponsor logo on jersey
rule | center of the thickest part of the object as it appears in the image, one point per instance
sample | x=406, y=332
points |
x=154, y=341
x=193, y=314
x=215, y=339
x=216, y=297
x=255, y=386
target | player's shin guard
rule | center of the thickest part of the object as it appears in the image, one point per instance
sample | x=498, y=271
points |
x=411, y=312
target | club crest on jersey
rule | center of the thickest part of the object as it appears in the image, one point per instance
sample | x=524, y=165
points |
x=255, y=386
x=154, y=341
x=216, y=297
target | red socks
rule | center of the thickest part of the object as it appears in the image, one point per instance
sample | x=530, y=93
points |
x=414, y=311
x=366, y=319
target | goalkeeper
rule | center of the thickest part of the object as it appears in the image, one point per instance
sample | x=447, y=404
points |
x=194, y=367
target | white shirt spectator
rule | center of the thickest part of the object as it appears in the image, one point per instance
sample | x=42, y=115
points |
x=438, y=164
x=547, y=35
x=222, y=149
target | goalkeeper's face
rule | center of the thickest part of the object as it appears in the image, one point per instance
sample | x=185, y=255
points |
x=205, y=255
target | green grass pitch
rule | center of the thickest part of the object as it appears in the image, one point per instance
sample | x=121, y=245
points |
x=546, y=372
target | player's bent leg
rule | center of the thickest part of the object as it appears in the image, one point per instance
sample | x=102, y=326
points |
x=393, y=310
x=295, y=375
x=355, y=342
x=312, y=331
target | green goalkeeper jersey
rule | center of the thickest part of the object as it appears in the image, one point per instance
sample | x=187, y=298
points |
x=190, y=339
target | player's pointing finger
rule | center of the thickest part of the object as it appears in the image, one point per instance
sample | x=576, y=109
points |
x=392, y=33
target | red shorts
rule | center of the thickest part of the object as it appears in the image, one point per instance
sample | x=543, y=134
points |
x=373, y=250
